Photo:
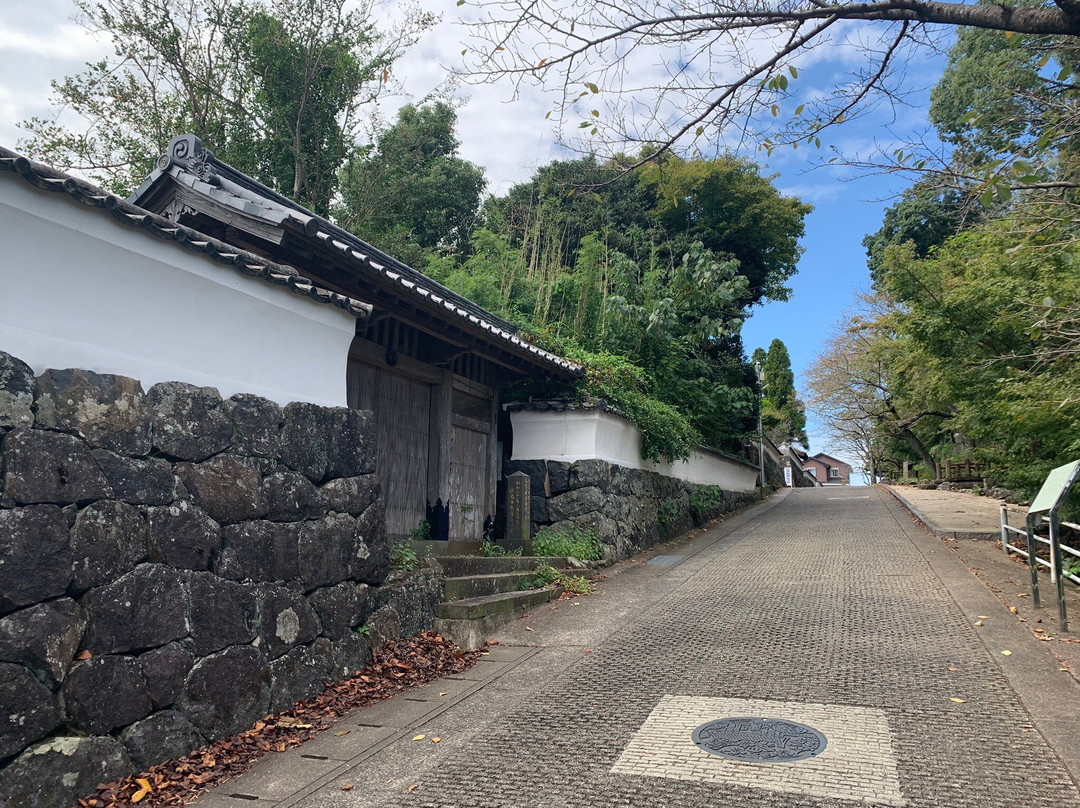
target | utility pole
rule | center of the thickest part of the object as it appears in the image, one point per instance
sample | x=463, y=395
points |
x=760, y=430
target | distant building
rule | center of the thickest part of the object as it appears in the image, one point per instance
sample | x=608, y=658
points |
x=828, y=470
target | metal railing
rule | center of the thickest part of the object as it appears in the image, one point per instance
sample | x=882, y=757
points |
x=1009, y=547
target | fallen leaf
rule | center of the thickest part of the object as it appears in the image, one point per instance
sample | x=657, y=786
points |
x=347, y=787
x=1026, y=729
x=978, y=622
x=952, y=668
x=984, y=617
x=958, y=701
x=1013, y=609
x=83, y=656
x=280, y=747
x=588, y=650
x=343, y=732
x=436, y=739
x=444, y=694
x=1039, y=630
x=527, y=628
x=414, y=786
x=419, y=737
x=1006, y=653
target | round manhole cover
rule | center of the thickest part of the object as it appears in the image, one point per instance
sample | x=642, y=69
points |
x=759, y=740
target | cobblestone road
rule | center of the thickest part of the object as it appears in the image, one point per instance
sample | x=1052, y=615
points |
x=826, y=609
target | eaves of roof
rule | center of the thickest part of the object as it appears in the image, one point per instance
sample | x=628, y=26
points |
x=247, y=263
x=189, y=164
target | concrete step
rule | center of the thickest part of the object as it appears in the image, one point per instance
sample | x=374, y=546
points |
x=474, y=586
x=461, y=566
x=471, y=621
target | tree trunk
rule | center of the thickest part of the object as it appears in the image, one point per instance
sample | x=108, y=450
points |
x=921, y=451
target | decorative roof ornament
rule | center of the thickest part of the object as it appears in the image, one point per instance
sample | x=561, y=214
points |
x=187, y=151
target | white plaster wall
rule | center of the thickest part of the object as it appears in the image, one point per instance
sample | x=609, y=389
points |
x=80, y=290
x=574, y=435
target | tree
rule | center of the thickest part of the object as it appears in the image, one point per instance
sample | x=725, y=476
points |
x=783, y=415
x=274, y=88
x=718, y=67
x=412, y=193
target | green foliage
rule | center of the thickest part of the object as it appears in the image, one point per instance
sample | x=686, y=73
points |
x=576, y=542
x=492, y=550
x=575, y=584
x=925, y=216
x=666, y=513
x=363, y=631
x=275, y=89
x=783, y=415
x=549, y=576
x=411, y=195
x=404, y=558
x=704, y=499
x=541, y=577
x=422, y=532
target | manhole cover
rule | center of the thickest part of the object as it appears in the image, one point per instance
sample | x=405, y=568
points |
x=760, y=740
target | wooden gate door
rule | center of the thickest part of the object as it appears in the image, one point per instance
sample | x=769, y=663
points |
x=402, y=410
x=469, y=455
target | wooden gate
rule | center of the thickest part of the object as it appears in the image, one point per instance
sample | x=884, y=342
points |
x=402, y=410
x=471, y=499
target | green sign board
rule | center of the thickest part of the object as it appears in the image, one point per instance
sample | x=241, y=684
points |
x=1057, y=485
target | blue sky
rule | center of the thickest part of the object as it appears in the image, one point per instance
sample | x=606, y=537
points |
x=508, y=134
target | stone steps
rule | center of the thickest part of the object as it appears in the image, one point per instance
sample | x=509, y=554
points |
x=474, y=586
x=461, y=566
x=469, y=622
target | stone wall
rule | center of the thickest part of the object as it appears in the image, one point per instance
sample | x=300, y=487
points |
x=628, y=509
x=173, y=567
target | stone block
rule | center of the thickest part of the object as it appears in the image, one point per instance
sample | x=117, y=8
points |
x=263, y=551
x=222, y=613
x=558, y=475
x=352, y=443
x=371, y=561
x=106, y=692
x=35, y=557
x=342, y=607
x=166, y=735
x=285, y=620
x=328, y=550
x=183, y=535
x=575, y=503
x=164, y=671
x=291, y=497
x=538, y=509
x=296, y=676
x=57, y=772
x=145, y=608
x=109, y=538
x=189, y=422
x=257, y=424
x=305, y=439
x=28, y=710
x=139, y=482
x=228, y=490
x=585, y=473
x=383, y=626
x=16, y=393
x=227, y=692
x=349, y=655
x=44, y=638
x=41, y=467
x=352, y=495
x=413, y=596
x=107, y=411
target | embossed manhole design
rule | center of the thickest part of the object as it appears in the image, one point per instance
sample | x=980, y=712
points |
x=759, y=740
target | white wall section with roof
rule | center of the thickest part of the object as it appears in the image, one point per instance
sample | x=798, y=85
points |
x=83, y=291
x=592, y=434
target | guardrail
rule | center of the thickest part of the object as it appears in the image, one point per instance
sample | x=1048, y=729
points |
x=1009, y=547
x=1046, y=507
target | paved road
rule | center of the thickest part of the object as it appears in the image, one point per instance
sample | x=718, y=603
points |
x=824, y=606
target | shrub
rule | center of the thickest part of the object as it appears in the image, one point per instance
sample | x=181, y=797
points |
x=575, y=542
x=543, y=576
x=422, y=532
x=403, y=557
x=575, y=584
x=492, y=550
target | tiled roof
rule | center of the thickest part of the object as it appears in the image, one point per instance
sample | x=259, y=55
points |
x=49, y=179
x=189, y=164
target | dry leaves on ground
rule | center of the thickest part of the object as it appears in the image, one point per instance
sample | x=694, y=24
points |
x=399, y=665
